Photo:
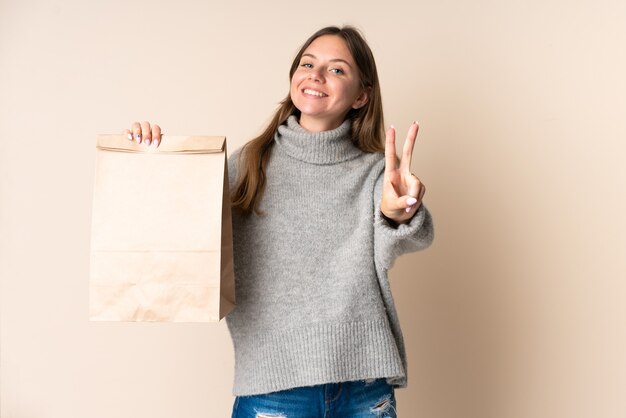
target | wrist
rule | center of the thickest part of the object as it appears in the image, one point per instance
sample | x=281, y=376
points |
x=392, y=222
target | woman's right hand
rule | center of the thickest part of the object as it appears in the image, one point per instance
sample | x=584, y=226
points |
x=144, y=132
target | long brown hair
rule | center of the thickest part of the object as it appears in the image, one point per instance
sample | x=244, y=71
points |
x=367, y=127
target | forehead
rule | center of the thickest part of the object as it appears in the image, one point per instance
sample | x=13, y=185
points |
x=330, y=47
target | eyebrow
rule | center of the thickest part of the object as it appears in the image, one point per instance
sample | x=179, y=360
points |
x=332, y=60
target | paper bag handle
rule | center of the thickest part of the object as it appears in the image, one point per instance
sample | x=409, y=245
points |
x=170, y=144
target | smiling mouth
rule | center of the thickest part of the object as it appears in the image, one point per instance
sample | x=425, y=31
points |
x=314, y=93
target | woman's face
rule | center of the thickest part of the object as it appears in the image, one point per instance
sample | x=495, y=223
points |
x=326, y=84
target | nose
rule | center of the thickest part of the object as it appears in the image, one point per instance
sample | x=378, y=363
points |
x=315, y=75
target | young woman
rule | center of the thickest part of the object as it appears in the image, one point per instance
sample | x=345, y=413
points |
x=321, y=209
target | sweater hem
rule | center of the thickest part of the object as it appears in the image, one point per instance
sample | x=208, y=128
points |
x=317, y=354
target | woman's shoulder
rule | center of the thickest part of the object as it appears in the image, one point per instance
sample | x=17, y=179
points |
x=232, y=161
x=373, y=159
x=232, y=158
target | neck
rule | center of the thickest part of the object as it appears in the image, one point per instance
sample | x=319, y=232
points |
x=324, y=147
x=319, y=125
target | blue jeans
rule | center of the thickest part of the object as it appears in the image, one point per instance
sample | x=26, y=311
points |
x=358, y=399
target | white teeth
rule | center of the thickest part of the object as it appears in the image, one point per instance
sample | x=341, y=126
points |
x=314, y=93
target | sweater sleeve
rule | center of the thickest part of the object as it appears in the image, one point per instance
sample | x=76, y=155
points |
x=390, y=242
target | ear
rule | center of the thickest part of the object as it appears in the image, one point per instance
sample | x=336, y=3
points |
x=362, y=99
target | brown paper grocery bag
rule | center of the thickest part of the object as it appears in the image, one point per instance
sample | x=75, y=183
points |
x=161, y=237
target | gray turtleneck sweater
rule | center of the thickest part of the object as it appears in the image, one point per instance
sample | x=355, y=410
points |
x=314, y=304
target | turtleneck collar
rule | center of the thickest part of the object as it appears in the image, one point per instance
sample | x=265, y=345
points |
x=326, y=147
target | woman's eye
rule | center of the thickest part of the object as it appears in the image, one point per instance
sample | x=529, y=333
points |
x=336, y=70
x=307, y=65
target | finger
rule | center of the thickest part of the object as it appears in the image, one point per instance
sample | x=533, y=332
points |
x=411, y=203
x=414, y=200
x=390, y=149
x=396, y=204
x=413, y=184
x=407, y=149
x=127, y=134
x=156, y=135
x=422, y=192
x=136, y=129
x=146, y=133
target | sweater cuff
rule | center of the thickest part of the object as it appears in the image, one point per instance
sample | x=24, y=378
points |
x=401, y=230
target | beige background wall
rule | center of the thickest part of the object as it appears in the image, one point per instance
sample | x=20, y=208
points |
x=516, y=311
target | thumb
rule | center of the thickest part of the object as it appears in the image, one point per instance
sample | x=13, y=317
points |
x=398, y=204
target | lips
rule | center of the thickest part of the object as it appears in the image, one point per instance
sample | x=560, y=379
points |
x=312, y=92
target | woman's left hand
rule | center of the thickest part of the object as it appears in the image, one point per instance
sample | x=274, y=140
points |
x=402, y=190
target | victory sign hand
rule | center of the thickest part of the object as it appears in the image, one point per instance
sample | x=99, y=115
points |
x=402, y=190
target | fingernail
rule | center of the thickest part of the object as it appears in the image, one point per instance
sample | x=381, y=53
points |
x=155, y=143
x=392, y=127
x=407, y=210
x=130, y=137
x=411, y=201
x=147, y=141
x=414, y=122
x=138, y=138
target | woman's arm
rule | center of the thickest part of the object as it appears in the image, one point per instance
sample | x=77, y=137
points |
x=402, y=223
x=392, y=239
